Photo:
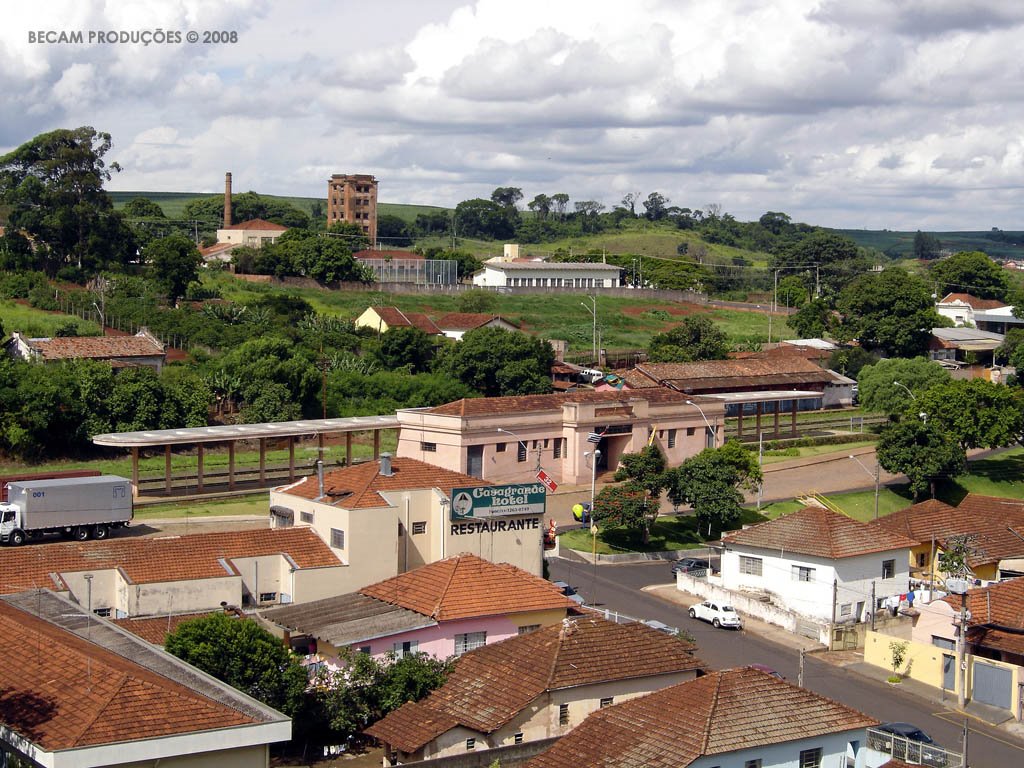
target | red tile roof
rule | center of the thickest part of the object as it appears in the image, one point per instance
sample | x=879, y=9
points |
x=765, y=372
x=972, y=301
x=149, y=560
x=467, y=586
x=76, y=694
x=480, y=406
x=154, y=629
x=1001, y=604
x=95, y=347
x=260, y=224
x=393, y=317
x=820, y=533
x=491, y=685
x=358, y=486
x=466, y=321
x=718, y=714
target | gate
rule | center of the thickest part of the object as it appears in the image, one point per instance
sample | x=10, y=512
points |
x=992, y=685
x=948, y=672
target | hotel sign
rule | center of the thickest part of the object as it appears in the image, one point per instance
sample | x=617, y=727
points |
x=486, y=501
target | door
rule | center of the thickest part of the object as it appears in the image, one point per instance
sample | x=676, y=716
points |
x=475, y=461
x=992, y=685
x=948, y=672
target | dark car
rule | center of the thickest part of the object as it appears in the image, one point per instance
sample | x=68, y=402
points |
x=912, y=745
x=688, y=564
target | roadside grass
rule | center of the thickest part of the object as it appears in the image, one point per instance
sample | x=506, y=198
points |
x=667, y=533
x=786, y=454
x=253, y=504
x=35, y=323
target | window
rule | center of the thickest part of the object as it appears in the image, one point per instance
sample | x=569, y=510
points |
x=558, y=447
x=752, y=566
x=470, y=744
x=528, y=628
x=364, y=649
x=752, y=763
x=521, y=456
x=922, y=559
x=469, y=641
x=401, y=530
x=268, y=597
x=563, y=714
x=499, y=448
x=428, y=447
x=546, y=441
x=810, y=758
x=337, y=538
x=104, y=612
x=407, y=648
x=606, y=702
x=419, y=527
x=689, y=431
x=803, y=573
x=846, y=609
x=671, y=438
x=888, y=569
x=306, y=517
x=518, y=738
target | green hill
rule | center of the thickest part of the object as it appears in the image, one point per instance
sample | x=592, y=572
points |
x=996, y=243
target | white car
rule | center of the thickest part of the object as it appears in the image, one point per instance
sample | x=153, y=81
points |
x=719, y=614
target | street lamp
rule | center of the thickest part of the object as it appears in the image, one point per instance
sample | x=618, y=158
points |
x=713, y=431
x=88, y=617
x=875, y=475
x=905, y=389
x=522, y=442
x=593, y=311
x=594, y=458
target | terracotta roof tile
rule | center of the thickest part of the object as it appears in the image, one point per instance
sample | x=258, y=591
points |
x=358, y=486
x=491, y=685
x=764, y=372
x=147, y=560
x=394, y=317
x=154, y=629
x=78, y=694
x=720, y=713
x=260, y=224
x=95, y=347
x=820, y=533
x=972, y=301
x=467, y=586
x=1001, y=604
x=518, y=403
x=466, y=321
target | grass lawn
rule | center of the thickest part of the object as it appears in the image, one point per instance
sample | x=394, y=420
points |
x=35, y=323
x=785, y=454
x=255, y=504
x=667, y=533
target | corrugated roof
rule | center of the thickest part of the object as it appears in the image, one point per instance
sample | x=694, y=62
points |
x=161, y=559
x=467, y=586
x=359, y=486
x=718, y=714
x=820, y=533
x=491, y=685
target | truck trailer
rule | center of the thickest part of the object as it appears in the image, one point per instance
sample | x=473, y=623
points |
x=79, y=508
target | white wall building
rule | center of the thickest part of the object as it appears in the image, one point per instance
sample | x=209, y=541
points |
x=813, y=559
x=511, y=271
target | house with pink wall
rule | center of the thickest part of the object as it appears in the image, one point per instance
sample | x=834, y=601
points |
x=444, y=609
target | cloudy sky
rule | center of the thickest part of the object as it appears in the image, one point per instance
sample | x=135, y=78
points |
x=846, y=113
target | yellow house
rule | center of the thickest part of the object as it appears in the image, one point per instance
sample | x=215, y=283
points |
x=383, y=319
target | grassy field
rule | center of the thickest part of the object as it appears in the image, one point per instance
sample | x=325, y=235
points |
x=37, y=323
x=255, y=504
x=785, y=454
x=886, y=240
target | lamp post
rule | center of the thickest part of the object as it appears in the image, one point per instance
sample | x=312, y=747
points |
x=875, y=475
x=905, y=388
x=712, y=430
x=594, y=457
x=522, y=442
x=88, y=615
x=593, y=312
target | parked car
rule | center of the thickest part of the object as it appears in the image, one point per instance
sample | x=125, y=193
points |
x=719, y=614
x=912, y=745
x=687, y=564
x=570, y=592
x=661, y=627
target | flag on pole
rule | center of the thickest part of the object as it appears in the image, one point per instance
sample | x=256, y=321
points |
x=595, y=437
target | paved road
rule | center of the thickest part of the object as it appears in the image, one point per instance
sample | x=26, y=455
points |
x=618, y=588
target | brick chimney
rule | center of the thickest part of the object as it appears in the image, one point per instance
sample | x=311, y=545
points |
x=227, y=200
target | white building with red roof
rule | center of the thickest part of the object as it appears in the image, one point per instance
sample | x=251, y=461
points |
x=818, y=563
x=254, y=233
x=386, y=517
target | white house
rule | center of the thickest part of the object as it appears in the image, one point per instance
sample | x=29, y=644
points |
x=815, y=561
x=737, y=718
x=511, y=271
x=254, y=233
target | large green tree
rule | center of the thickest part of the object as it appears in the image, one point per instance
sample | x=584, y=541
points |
x=143, y=208
x=970, y=272
x=812, y=320
x=926, y=246
x=832, y=258
x=879, y=391
x=485, y=218
x=712, y=483
x=175, y=261
x=497, y=362
x=409, y=349
x=890, y=310
x=921, y=450
x=244, y=207
x=975, y=412
x=53, y=188
x=695, y=338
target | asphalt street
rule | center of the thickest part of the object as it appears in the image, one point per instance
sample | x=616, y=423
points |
x=619, y=588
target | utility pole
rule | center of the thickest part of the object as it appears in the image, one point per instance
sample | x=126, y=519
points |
x=874, y=602
x=832, y=625
x=800, y=674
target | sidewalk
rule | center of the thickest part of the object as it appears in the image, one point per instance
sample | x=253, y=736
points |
x=853, y=661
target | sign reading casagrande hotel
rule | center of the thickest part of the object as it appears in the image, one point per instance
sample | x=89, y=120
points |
x=484, y=509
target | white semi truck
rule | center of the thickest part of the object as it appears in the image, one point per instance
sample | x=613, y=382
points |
x=78, y=507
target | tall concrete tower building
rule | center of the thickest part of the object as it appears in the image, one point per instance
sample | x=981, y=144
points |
x=353, y=198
